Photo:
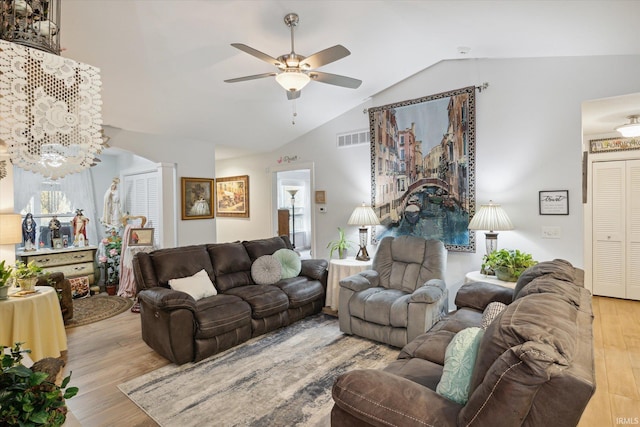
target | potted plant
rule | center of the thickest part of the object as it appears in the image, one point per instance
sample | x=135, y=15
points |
x=341, y=245
x=111, y=261
x=26, y=275
x=507, y=264
x=29, y=397
x=5, y=275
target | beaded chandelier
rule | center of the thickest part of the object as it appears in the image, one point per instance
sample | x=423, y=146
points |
x=50, y=106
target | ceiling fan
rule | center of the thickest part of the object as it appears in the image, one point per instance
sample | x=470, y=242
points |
x=295, y=71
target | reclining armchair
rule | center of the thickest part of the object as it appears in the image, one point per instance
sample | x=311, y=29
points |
x=401, y=297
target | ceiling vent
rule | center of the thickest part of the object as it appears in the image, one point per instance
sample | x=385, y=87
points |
x=353, y=138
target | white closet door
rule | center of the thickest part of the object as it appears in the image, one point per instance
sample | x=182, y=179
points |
x=633, y=229
x=609, y=229
x=141, y=198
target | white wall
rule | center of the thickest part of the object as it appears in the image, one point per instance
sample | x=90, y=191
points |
x=528, y=139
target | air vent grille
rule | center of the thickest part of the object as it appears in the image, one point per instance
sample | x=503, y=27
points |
x=353, y=138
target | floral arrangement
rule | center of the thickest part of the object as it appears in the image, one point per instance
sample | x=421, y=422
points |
x=111, y=258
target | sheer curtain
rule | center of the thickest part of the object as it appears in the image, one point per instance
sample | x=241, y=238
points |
x=78, y=188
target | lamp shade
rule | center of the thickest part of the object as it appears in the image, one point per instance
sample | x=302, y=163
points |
x=10, y=229
x=490, y=217
x=631, y=129
x=292, y=80
x=363, y=215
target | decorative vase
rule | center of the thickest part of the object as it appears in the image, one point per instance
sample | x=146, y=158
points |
x=4, y=292
x=111, y=288
x=506, y=274
x=342, y=253
x=27, y=284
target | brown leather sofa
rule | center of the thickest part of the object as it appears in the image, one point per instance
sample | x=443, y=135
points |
x=182, y=329
x=535, y=363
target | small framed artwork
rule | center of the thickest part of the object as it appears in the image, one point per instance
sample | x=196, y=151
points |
x=321, y=197
x=232, y=196
x=57, y=243
x=140, y=237
x=197, y=198
x=554, y=202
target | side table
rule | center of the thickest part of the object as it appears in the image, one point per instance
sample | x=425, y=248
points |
x=339, y=269
x=476, y=276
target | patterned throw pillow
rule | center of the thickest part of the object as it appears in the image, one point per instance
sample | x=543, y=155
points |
x=266, y=270
x=289, y=261
x=490, y=312
x=459, y=360
x=79, y=287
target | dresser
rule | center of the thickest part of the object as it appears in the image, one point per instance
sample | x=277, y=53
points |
x=73, y=262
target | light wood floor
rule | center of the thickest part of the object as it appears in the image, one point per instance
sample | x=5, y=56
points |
x=105, y=354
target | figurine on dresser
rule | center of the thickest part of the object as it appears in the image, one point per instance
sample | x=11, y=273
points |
x=79, y=224
x=29, y=232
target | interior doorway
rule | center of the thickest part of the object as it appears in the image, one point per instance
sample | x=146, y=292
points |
x=294, y=208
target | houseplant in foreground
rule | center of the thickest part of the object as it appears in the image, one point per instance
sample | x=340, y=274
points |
x=26, y=275
x=5, y=274
x=29, y=397
x=507, y=264
x=341, y=245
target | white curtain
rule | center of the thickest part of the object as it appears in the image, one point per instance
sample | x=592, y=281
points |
x=78, y=188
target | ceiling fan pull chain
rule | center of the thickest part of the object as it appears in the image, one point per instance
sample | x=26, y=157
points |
x=293, y=107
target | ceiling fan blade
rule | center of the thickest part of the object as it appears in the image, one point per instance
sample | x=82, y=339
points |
x=326, y=56
x=257, y=54
x=255, y=76
x=293, y=94
x=335, y=79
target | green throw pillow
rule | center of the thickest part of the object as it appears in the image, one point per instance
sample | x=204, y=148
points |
x=290, y=262
x=459, y=359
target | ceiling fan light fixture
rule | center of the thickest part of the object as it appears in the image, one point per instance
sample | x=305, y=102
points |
x=631, y=129
x=292, y=80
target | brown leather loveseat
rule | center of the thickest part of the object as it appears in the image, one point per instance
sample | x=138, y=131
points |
x=534, y=363
x=182, y=329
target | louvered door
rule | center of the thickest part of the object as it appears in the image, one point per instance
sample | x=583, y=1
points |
x=141, y=198
x=616, y=229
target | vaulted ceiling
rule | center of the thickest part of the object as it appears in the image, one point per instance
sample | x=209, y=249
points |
x=163, y=62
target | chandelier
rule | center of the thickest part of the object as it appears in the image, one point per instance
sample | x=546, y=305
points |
x=50, y=105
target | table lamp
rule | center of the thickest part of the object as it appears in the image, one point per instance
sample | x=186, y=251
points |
x=10, y=234
x=363, y=216
x=493, y=218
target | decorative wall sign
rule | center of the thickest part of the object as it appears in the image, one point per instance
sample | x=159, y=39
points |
x=321, y=197
x=197, y=198
x=232, y=196
x=423, y=167
x=613, y=144
x=554, y=202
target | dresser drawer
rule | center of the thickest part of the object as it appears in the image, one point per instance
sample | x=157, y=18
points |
x=62, y=258
x=75, y=270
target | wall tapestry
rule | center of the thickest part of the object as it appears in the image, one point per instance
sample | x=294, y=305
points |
x=423, y=167
x=232, y=196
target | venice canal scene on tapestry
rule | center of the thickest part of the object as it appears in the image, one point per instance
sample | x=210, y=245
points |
x=423, y=167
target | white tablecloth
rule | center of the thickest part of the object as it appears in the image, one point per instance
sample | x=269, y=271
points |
x=339, y=269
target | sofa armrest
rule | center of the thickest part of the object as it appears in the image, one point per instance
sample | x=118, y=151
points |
x=361, y=281
x=167, y=299
x=381, y=398
x=478, y=295
x=315, y=269
x=430, y=292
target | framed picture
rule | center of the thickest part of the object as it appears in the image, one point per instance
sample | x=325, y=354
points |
x=232, y=196
x=423, y=167
x=140, y=237
x=197, y=198
x=554, y=202
x=613, y=144
x=321, y=197
x=57, y=243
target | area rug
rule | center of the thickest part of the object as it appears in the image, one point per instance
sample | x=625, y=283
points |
x=280, y=379
x=95, y=308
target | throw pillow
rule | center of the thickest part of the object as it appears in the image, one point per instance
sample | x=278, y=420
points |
x=459, y=359
x=198, y=286
x=289, y=261
x=79, y=287
x=491, y=312
x=266, y=270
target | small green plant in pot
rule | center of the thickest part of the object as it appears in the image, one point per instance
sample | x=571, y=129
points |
x=341, y=245
x=5, y=275
x=507, y=264
x=26, y=275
